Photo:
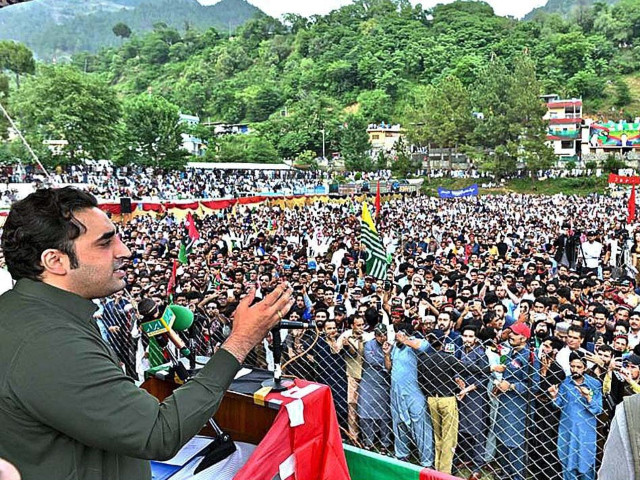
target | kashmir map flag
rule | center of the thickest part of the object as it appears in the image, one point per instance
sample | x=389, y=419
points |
x=377, y=258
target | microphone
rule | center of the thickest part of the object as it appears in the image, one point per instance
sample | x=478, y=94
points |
x=292, y=324
x=175, y=318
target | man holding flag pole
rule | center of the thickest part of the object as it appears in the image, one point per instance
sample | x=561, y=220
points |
x=376, y=260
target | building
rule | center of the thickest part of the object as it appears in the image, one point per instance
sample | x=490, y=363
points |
x=220, y=128
x=565, y=124
x=384, y=137
x=190, y=143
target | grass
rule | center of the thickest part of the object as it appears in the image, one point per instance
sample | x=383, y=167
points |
x=570, y=186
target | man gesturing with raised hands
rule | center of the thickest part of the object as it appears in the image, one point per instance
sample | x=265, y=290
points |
x=67, y=410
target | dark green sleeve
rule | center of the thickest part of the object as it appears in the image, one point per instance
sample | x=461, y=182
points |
x=70, y=383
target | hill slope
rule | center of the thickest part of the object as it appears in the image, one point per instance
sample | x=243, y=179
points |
x=564, y=7
x=60, y=28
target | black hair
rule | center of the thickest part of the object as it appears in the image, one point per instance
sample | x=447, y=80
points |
x=469, y=327
x=576, y=329
x=43, y=220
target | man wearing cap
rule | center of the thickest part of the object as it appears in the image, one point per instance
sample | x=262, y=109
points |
x=519, y=380
x=579, y=397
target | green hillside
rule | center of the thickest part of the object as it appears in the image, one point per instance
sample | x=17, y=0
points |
x=456, y=76
x=567, y=8
x=60, y=28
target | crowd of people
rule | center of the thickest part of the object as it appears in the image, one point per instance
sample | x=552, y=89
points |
x=108, y=182
x=502, y=338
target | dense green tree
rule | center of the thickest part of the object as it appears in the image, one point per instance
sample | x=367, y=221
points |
x=121, y=30
x=247, y=148
x=354, y=144
x=64, y=104
x=16, y=58
x=375, y=106
x=623, y=93
x=440, y=115
x=151, y=133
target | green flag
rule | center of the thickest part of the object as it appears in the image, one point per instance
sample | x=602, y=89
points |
x=377, y=258
x=185, y=250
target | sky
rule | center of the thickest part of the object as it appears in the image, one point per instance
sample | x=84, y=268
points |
x=275, y=8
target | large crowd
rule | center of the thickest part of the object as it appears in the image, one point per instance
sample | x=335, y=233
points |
x=504, y=334
x=502, y=338
x=109, y=182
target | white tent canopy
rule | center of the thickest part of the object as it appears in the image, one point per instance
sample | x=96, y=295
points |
x=239, y=166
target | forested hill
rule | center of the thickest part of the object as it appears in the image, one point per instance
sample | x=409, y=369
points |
x=455, y=76
x=374, y=54
x=567, y=8
x=59, y=28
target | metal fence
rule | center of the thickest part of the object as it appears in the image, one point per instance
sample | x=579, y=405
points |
x=458, y=401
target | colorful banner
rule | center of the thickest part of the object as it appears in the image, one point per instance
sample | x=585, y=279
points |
x=471, y=191
x=180, y=210
x=614, y=135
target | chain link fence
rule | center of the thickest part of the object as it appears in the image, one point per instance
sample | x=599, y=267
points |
x=497, y=404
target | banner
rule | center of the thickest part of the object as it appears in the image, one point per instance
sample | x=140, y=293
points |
x=614, y=135
x=621, y=179
x=471, y=191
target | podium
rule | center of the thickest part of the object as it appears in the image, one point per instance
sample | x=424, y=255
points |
x=296, y=430
x=238, y=414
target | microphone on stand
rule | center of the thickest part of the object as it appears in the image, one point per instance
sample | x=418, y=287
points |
x=293, y=325
x=276, y=382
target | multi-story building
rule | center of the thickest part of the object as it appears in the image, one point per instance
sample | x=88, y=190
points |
x=190, y=143
x=564, y=131
x=384, y=137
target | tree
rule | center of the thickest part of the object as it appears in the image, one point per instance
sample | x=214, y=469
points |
x=623, y=93
x=375, y=106
x=16, y=58
x=526, y=112
x=121, y=30
x=63, y=104
x=440, y=115
x=354, y=144
x=152, y=133
x=247, y=149
x=502, y=162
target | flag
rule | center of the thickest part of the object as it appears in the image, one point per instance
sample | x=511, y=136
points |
x=378, y=202
x=172, y=281
x=189, y=239
x=191, y=228
x=185, y=249
x=632, y=205
x=377, y=258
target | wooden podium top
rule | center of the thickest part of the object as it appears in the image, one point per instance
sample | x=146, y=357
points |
x=237, y=415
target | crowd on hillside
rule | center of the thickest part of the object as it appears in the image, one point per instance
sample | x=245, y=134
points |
x=502, y=337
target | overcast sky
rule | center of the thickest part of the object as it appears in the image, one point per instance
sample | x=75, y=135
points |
x=275, y=8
